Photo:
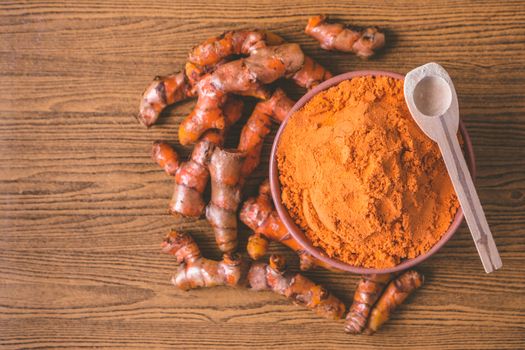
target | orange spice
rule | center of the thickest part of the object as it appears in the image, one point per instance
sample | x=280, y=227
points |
x=361, y=179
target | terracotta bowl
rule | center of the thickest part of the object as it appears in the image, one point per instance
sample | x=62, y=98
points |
x=299, y=235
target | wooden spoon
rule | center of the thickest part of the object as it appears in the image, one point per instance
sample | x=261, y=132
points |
x=433, y=103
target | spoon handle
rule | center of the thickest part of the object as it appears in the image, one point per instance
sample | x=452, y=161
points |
x=467, y=195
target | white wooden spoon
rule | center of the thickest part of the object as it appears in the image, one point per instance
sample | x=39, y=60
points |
x=433, y=103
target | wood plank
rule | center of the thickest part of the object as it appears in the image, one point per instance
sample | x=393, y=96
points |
x=83, y=208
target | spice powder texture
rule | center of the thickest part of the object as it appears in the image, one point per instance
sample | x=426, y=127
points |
x=361, y=179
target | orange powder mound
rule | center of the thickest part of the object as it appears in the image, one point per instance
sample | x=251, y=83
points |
x=360, y=177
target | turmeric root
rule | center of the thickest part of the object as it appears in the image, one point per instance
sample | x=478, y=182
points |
x=164, y=91
x=230, y=43
x=166, y=157
x=368, y=291
x=225, y=170
x=260, y=216
x=245, y=76
x=258, y=127
x=161, y=92
x=234, y=42
x=195, y=73
x=191, y=177
x=311, y=74
x=205, y=57
x=296, y=287
x=396, y=292
x=232, y=111
x=335, y=36
x=195, y=271
x=207, y=113
x=264, y=66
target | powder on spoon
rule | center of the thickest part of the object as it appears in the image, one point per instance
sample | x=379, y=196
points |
x=360, y=177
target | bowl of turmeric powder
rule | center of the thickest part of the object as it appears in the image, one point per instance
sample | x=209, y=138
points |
x=356, y=182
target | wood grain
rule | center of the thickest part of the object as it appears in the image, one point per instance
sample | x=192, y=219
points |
x=83, y=208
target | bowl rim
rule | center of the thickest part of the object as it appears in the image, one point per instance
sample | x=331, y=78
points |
x=299, y=235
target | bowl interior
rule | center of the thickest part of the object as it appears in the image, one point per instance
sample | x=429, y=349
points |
x=299, y=235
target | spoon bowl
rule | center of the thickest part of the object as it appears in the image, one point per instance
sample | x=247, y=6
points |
x=430, y=96
x=436, y=102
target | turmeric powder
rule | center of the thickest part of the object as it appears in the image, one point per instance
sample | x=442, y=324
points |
x=361, y=179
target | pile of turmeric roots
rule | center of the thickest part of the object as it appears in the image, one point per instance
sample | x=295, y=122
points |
x=218, y=73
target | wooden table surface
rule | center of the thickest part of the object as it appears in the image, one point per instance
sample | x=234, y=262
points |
x=83, y=208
